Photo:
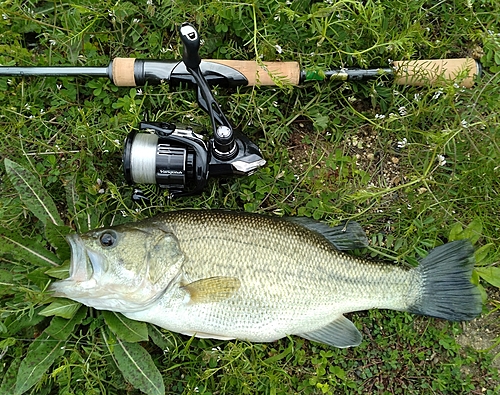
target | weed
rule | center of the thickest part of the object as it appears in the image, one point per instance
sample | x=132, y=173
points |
x=416, y=165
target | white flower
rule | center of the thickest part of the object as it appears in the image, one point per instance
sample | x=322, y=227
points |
x=441, y=160
x=464, y=123
x=379, y=116
x=437, y=94
x=278, y=48
x=402, y=111
x=401, y=144
x=52, y=42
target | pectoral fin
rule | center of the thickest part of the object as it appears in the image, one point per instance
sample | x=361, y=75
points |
x=340, y=333
x=213, y=289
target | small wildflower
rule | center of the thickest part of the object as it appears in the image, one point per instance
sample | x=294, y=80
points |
x=402, y=111
x=441, y=160
x=52, y=42
x=149, y=2
x=278, y=48
x=401, y=144
x=379, y=116
x=416, y=97
x=277, y=17
x=136, y=20
x=5, y=17
x=437, y=94
x=139, y=91
x=464, y=124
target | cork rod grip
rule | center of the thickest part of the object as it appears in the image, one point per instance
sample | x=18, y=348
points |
x=436, y=72
x=266, y=73
x=123, y=72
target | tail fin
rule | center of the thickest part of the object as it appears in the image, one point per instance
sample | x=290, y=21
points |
x=447, y=289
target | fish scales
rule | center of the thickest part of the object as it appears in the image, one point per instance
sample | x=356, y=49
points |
x=261, y=278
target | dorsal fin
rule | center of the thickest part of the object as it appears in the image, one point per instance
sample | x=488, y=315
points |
x=346, y=236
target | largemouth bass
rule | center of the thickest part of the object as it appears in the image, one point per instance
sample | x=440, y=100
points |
x=231, y=275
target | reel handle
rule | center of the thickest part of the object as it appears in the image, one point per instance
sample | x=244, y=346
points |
x=191, y=42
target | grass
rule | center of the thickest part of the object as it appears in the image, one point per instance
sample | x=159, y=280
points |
x=415, y=166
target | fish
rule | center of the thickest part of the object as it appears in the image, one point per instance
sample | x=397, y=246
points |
x=235, y=275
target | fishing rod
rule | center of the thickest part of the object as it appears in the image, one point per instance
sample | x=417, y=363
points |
x=176, y=158
x=232, y=73
x=171, y=155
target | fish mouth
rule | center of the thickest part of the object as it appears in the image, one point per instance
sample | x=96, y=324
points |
x=80, y=267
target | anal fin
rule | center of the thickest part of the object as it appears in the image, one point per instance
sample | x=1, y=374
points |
x=339, y=333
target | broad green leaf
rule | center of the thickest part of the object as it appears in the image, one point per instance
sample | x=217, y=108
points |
x=41, y=354
x=159, y=338
x=6, y=284
x=490, y=275
x=482, y=253
x=60, y=272
x=15, y=323
x=471, y=232
x=9, y=379
x=455, y=231
x=64, y=308
x=32, y=251
x=125, y=328
x=61, y=328
x=32, y=193
x=39, y=278
x=138, y=367
x=56, y=237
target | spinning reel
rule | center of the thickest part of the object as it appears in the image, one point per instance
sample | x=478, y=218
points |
x=174, y=156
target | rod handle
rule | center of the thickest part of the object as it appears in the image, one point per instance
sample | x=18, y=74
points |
x=123, y=71
x=436, y=72
x=266, y=72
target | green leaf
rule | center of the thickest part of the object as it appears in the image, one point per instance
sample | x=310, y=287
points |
x=490, y=275
x=138, y=367
x=31, y=250
x=55, y=235
x=125, y=328
x=64, y=308
x=61, y=328
x=32, y=193
x=16, y=323
x=159, y=338
x=472, y=232
x=60, y=272
x=41, y=355
x=481, y=254
x=455, y=231
x=39, y=278
x=9, y=378
x=6, y=285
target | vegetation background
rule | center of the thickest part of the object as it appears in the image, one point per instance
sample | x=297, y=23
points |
x=416, y=166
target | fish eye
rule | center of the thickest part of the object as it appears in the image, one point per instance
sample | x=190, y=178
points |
x=108, y=239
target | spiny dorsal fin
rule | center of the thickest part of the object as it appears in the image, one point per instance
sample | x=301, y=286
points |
x=346, y=236
x=213, y=289
x=339, y=333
